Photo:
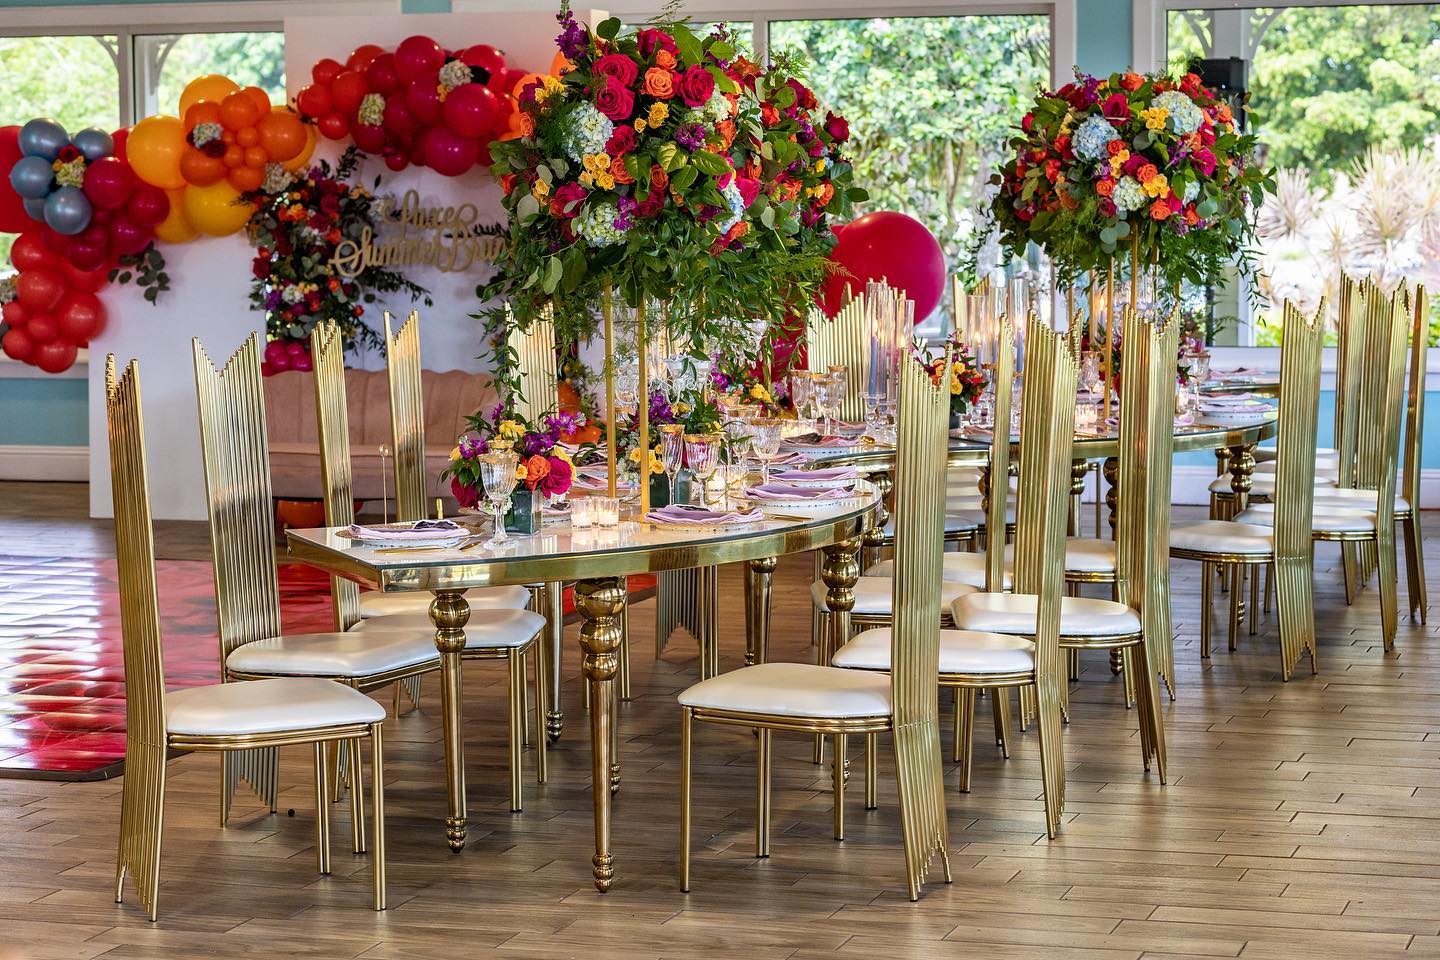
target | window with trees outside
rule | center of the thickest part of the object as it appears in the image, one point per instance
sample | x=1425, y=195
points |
x=1347, y=104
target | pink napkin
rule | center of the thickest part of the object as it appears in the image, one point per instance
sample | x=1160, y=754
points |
x=781, y=492
x=586, y=479
x=680, y=513
x=823, y=475
x=814, y=440
x=420, y=530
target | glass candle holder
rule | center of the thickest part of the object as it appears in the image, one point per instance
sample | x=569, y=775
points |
x=582, y=513
x=607, y=511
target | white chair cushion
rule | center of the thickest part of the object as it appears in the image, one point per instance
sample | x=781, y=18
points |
x=961, y=651
x=1323, y=465
x=351, y=654
x=1223, y=536
x=375, y=604
x=1267, y=454
x=1321, y=521
x=1016, y=612
x=874, y=595
x=267, y=706
x=956, y=521
x=956, y=568
x=1347, y=498
x=794, y=690
x=488, y=629
x=1089, y=555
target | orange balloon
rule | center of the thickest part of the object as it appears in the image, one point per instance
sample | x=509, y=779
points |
x=200, y=168
x=203, y=111
x=238, y=111
x=246, y=178
x=522, y=83
x=260, y=98
x=509, y=135
x=281, y=134
x=212, y=86
x=154, y=149
x=256, y=157
x=176, y=228
x=247, y=136
x=234, y=156
x=298, y=161
x=560, y=65
x=227, y=136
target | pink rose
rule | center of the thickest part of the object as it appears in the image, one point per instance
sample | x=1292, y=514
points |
x=1116, y=107
x=618, y=66
x=615, y=100
x=696, y=85
x=467, y=497
x=1107, y=207
x=565, y=201
x=653, y=203
x=557, y=481
x=1133, y=165
x=838, y=127
x=1204, y=161
x=749, y=189
x=621, y=142
x=648, y=41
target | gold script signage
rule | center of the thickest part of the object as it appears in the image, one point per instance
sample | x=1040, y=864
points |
x=446, y=238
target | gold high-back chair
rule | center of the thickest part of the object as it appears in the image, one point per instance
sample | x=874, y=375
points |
x=841, y=341
x=407, y=416
x=1409, y=514
x=327, y=349
x=220, y=717
x=534, y=352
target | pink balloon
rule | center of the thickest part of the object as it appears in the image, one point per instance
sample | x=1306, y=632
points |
x=398, y=119
x=274, y=350
x=396, y=161
x=485, y=57
x=109, y=183
x=84, y=256
x=423, y=99
x=148, y=206
x=885, y=245
x=448, y=154
x=470, y=110
x=417, y=56
x=371, y=139
x=302, y=363
x=127, y=237
x=381, y=75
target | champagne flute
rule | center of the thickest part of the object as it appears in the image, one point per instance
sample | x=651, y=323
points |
x=702, y=456
x=838, y=382
x=802, y=392
x=1090, y=371
x=766, y=433
x=672, y=452
x=497, y=474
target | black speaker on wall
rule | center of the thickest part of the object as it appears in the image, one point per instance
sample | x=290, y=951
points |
x=1230, y=78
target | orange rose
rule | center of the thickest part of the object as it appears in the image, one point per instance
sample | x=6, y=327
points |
x=664, y=58
x=1147, y=173
x=536, y=469
x=1132, y=81
x=621, y=175
x=1159, y=210
x=660, y=83
x=826, y=192
x=1115, y=146
x=526, y=124
x=726, y=129
x=1105, y=187
x=659, y=179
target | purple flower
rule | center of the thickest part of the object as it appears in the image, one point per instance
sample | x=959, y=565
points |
x=498, y=413
x=572, y=36
x=691, y=136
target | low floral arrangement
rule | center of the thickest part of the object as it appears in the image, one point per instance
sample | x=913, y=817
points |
x=542, y=464
x=967, y=380
x=299, y=221
x=1146, y=163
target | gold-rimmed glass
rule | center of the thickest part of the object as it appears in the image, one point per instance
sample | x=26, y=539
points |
x=672, y=452
x=765, y=436
x=702, y=456
x=497, y=475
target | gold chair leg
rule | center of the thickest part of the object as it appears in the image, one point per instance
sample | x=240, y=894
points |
x=1072, y=663
x=322, y=808
x=838, y=778
x=622, y=671
x=822, y=658
x=964, y=747
x=1052, y=757
x=1000, y=704
x=1207, y=595
x=1350, y=564
x=685, y=760
x=524, y=702
x=762, y=792
x=1269, y=586
x=357, y=797
x=1414, y=565
x=1236, y=573
x=1152, y=722
x=1026, y=707
x=1389, y=587
x=871, y=777
x=542, y=709
x=515, y=660
x=1254, y=574
x=377, y=815
x=335, y=756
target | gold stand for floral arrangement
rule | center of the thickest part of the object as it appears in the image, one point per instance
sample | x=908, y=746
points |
x=607, y=311
x=643, y=400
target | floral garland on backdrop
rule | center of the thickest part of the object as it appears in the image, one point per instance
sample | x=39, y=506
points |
x=298, y=224
x=1148, y=163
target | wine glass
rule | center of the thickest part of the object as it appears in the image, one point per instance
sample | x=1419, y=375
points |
x=839, y=379
x=829, y=393
x=627, y=386
x=737, y=433
x=1090, y=371
x=802, y=392
x=765, y=436
x=672, y=452
x=497, y=474
x=702, y=456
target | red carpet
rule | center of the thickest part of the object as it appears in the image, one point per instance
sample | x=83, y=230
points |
x=62, y=672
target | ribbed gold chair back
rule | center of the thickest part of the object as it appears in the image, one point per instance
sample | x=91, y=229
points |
x=327, y=354
x=1047, y=435
x=842, y=342
x=533, y=351
x=1415, y=400
x=144, y=792
x=998, y=481
x=236, y=453
x=407, y=416
x=922, y=418
x=1348, y=357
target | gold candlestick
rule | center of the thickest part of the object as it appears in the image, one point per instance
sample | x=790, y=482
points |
x=607, y=310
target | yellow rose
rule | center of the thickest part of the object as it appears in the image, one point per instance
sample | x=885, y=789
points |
x=1155, y=118
x=605, y=181
x=454, y=454
x=1158, y=186
x=640, y=125
x=540, y=190
x=521, y=473
x=658, y=113
x=511, y=430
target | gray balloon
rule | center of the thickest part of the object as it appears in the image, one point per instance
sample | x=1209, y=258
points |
x=43, y=137
x=94, y=143
x=35, y=206
x=67, y=210
x=31, y=177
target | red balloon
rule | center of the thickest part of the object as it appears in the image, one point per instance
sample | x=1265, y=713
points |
x=325, y=71
x=95, y=235
x=148, y=206
x=314, y=100
x=42, y=328
x=39, y=289
x=127, y=237
x=55, y=356
x=348, y=90
x=302, y=362
x=29, y=252
x=14, y=313
x=894, y=247
x=362, y=56
x=368, y=138
x=449, y=154
x=109, y=183
x=18, y=345
x=381, y=75
x=398, y=119
x=81, y=317
x=334, y=125
x=85, y=281
x=470, y=110
x=56, y=241
x=120, y=137
x=396, y=161
x=417, y=56
x=423, y=99
x=485, y=57
x=13, y=218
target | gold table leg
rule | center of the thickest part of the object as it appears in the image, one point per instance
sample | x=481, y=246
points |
x=554, y=635
x=1242, y=469
x=601, y=602
x=449, y=611
x=840, y=571
x=874, y=538
x=1079, y=470
x=758, y=576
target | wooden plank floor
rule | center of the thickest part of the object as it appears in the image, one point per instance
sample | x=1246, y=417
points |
x=1301, y=820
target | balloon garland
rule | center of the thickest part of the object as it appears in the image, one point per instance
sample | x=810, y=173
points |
x=91, y=207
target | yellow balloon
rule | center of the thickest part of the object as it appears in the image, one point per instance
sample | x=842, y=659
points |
x=213, y=210
x=212, y=86
x=176, y=227
x=154, y=149
x=303, y=157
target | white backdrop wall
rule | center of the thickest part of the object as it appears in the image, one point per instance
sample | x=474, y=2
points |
x=210, y=277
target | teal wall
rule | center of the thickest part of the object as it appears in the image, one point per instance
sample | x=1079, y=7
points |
x=1102, y=35
x=44, y=411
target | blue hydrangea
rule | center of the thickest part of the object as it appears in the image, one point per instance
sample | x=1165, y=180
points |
x=717, y=108
x=1128, y=195
x=597, y=225
x=1091, y=138
x=1185, y=118
x=587, y=132
x=735, y=202
x=1192, y=190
